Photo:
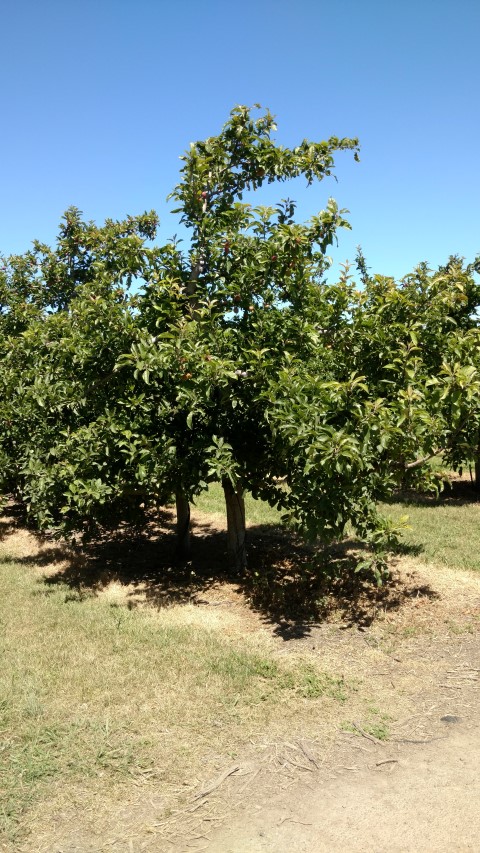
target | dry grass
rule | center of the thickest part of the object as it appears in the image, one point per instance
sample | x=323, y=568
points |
x=93, y=693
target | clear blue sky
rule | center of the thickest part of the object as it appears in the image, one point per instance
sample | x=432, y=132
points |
x=100, y=97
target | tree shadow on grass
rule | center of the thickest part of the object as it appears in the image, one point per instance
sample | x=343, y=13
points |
x=296, y=588
x=459, y=492
x=140, y=558
x=12, y=519
x=291, y=585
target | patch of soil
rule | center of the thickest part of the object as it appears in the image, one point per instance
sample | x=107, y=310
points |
x=396, y=799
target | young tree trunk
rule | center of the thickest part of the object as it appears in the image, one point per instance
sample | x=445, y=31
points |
x=236, y=532
x=477, y=465
x=183, y=526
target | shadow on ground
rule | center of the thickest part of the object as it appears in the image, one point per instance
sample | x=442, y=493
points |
x=290, y=585
x=459, y=492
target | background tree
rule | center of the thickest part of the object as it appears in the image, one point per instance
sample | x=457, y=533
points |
x=417, y=343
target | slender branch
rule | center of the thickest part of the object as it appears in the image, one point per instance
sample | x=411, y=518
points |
x=438, y=452
x=419, y=462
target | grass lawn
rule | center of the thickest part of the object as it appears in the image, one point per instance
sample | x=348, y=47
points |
x=446, y=531
x=257, y=512
x=93, y=693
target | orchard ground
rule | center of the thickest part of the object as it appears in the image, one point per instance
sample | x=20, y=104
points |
x=146, y=707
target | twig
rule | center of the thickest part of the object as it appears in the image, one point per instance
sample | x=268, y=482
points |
x=428, y=740
x=369, y=737
x=292, y=820
x=249, y=781
x=387, y=761
x=308, y=753
x=216, y=817
x=297, y=764
x=215, y=783
x=177, y=814
x=194, y=808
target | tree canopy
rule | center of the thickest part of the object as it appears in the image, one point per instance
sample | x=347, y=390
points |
x=133, y=373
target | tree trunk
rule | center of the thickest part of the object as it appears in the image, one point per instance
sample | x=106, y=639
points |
x=477, y=471
x=236, y=532
x=183, y=526
x=477, y=466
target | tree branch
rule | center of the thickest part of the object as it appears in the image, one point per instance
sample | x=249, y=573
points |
x=438, y=452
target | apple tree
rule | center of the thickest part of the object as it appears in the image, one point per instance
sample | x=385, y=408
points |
x=133, y=374
x=417, y=342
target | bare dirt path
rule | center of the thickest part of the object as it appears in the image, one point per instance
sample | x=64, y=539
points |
x=409, y=798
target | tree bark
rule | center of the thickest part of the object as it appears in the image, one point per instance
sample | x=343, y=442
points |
x=236, y=530
x=477, y=464
x=183, y=526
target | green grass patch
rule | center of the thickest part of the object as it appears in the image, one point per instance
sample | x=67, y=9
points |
x=313, y=684
x=257, y=512
x=447, y=533
x=375, y=723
